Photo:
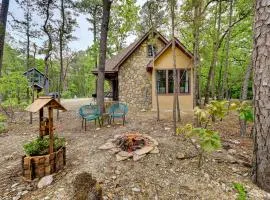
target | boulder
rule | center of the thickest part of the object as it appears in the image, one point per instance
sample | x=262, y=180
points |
x=144, y=150
x=45, y=181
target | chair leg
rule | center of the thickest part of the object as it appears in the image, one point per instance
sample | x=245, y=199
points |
x=84, y=124
x=124, y=120
x=99, y=122
x=95, y=122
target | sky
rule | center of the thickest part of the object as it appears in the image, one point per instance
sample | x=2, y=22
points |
x=85, y=37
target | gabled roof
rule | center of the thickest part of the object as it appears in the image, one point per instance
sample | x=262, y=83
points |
x=177, y=44
x=34, y=69
x=112, y=64
x=44, y=102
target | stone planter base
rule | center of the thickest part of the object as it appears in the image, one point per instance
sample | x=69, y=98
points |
x=39, y=166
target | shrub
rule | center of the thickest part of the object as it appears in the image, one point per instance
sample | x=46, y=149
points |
x=66, y=94
x=204, y=140
x=3, y=128
x=242, y=193
x=40, y=146
x=2, y=118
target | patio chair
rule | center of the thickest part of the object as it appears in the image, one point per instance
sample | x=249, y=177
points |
x=89, y=113
x=118, y=110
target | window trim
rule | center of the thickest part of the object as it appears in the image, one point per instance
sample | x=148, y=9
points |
x=189, y=70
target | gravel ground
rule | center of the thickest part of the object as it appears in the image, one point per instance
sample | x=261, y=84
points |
x=156, y=176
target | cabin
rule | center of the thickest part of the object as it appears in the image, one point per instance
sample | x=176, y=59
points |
x=145, y=69
x=37, y=80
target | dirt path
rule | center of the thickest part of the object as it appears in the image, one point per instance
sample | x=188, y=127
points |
x=156, y=176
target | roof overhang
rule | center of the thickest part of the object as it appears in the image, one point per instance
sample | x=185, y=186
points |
x=42, y=102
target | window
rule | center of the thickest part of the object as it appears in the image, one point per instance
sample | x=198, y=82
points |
x=170, y=82
x=184, y=81
x=161, y=81
x=151, y=50
x=165, y=81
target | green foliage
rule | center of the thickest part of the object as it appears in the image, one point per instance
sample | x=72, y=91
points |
x=217, y=108
x=3, y=127
x=244, y=110
x=66, y=94
x=201, y=114
x=208, y=140
x=13, y=87
x=242, y=193
x=40, y=146
x=3, y=118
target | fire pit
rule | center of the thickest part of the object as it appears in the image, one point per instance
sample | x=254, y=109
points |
x=131, y=145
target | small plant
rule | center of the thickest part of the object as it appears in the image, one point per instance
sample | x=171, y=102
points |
x=245, y=112
x=242, y=193
x=2, y=118
x=217, y=109
x=3, y=128
x=204, y=140
x=40, y=146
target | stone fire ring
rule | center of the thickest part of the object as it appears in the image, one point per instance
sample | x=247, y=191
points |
x=150, y=147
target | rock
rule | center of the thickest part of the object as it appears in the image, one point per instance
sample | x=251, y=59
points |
x=106, y=146
x=114, y=177
x=181, y=156
x=232, y=151
x=117, y=172
x=167, y=128
x=16, y=198
x=10, y=157
x=24, y=192
x=226, y=146
x=235, y=141
x=45, y=181
x=97, y=129
x=115, y=150
x=125, y=154
x=144, y=150
x=245, y=174
x=120, y=158
x=14, y=185
x=136, y=189
x=138, y=157
x=143, y=110
x=152, y=140
x=155, y=150
x=230, y=159
x=85, y=187
x=206, y=176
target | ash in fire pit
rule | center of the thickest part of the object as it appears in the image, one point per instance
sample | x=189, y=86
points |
x=129, y=145
x=130, y=142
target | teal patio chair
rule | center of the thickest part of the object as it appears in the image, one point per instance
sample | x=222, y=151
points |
x=118, y=110
x=89, y=113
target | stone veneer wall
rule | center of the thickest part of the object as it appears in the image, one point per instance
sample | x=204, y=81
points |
x=135, y=84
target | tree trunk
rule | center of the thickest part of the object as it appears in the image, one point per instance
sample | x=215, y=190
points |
x=227, y=53
x=175, y=99
x=211, y=73
x=3, y=21
x=49, y=47
x=243, y=125
x=61, y=46
x=261, y=63
x=196, y=44
x=95, y=34
x=102, y=54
